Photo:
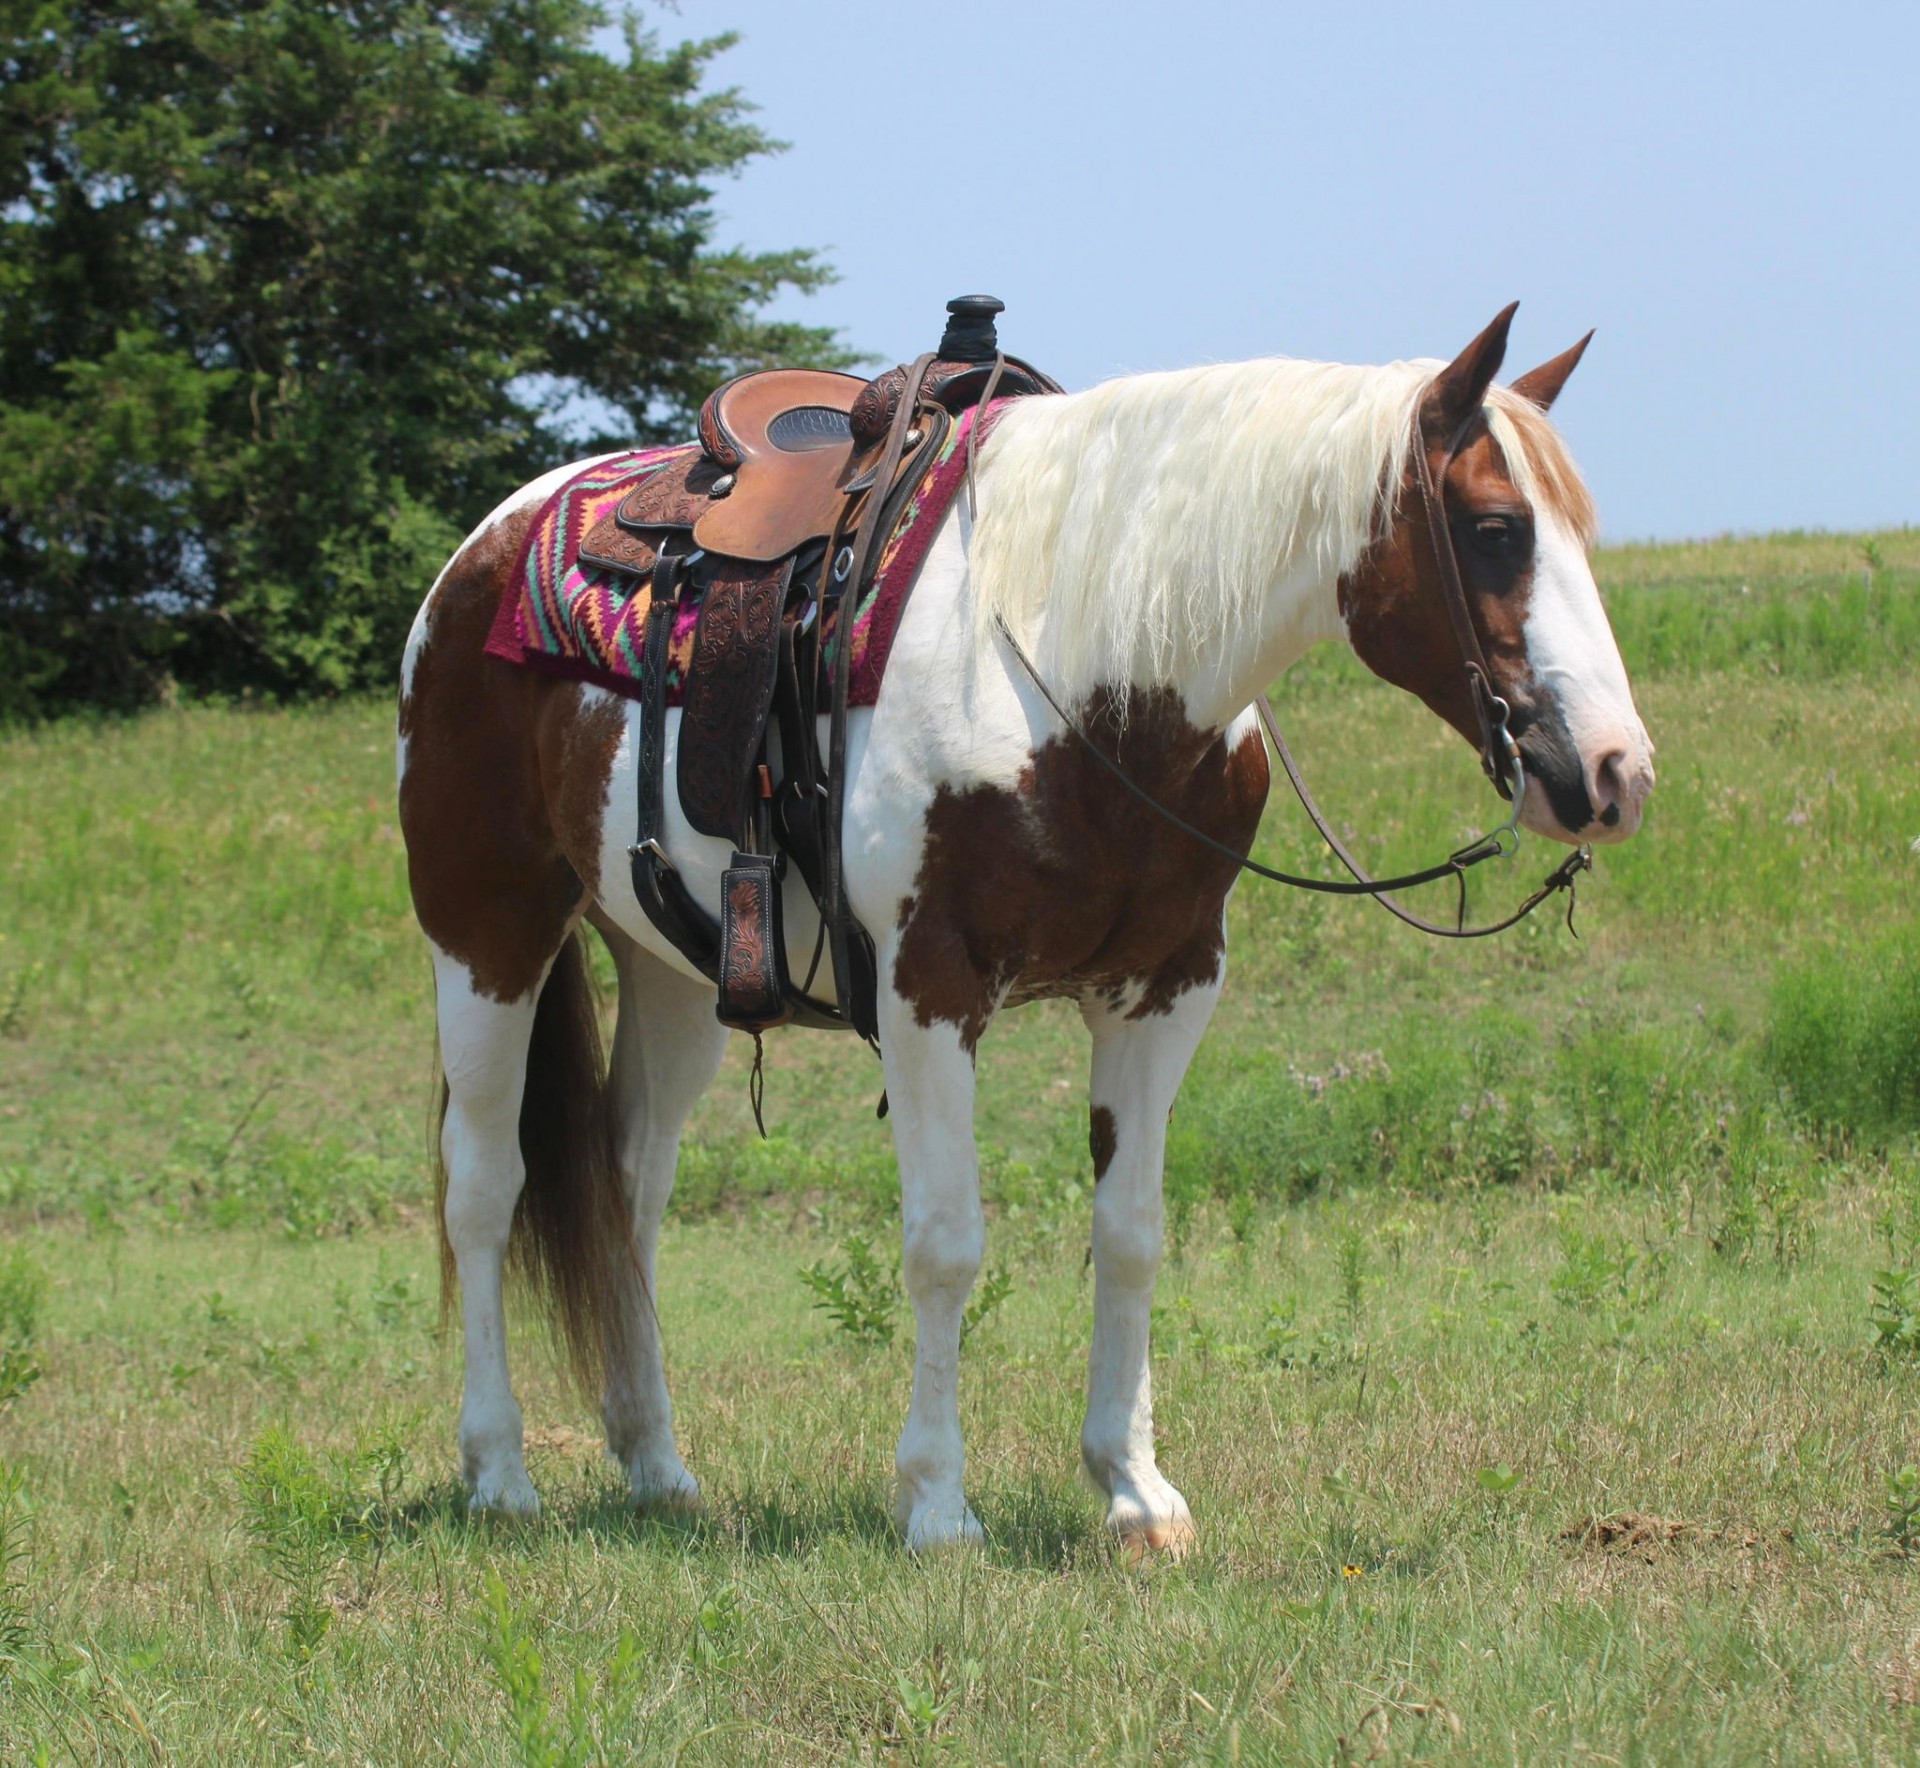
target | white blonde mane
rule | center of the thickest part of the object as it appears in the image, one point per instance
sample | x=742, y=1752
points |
x=1125, y=529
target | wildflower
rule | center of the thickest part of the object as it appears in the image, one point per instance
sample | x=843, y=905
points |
x=1350, y=1571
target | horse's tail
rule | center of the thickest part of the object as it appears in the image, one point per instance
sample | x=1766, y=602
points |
x=572, y=1233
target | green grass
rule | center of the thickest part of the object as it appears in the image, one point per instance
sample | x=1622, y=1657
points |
x=246, y=1542
x=1472, y=1247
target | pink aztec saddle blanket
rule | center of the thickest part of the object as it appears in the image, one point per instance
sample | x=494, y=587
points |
x=564, y=615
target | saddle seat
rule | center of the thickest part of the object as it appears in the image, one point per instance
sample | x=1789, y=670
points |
x=786, y=452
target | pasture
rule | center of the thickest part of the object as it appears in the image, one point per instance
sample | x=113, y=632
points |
x=1536, y=1343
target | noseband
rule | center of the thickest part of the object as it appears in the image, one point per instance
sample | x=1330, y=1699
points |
x=1499, y=754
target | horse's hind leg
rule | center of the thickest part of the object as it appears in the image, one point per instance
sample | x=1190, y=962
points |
x=483, y=1049
x=667, y=1047
x=1138, y=1065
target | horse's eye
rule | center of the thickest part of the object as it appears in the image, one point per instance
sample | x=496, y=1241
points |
x=1493, y=530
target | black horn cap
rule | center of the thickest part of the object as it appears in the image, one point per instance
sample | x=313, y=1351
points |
x=970, y=336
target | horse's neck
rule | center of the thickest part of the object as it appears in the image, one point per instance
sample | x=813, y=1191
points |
x=1228, y=674
x=1150, y=640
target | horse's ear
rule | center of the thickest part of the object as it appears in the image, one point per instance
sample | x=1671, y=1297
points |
x=1542, y=385
x=1460, y=388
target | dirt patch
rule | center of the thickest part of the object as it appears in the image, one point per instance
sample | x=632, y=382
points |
x=1644, y=1536
x=561, y=1439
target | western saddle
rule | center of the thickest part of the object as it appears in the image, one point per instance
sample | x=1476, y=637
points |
x=775, y=528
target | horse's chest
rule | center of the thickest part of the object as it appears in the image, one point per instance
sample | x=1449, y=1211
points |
x=1062, y=884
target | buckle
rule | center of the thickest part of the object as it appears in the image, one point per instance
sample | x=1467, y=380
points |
x=653, y=850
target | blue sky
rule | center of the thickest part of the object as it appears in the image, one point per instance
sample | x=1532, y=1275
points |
x=1728, y=193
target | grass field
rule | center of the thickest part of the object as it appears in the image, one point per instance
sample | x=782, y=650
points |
x=1519, y=1345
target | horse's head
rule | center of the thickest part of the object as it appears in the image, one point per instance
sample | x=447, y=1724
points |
x=1519, y=522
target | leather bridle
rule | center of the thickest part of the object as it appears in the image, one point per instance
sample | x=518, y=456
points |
x=1500, y=756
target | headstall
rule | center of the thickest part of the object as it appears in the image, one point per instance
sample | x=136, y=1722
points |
x=1499, y=756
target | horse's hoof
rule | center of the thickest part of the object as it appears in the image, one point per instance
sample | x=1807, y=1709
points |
x=933, y=1528
x=1175, y=1539
x=677, y=1498
x=510, y=1497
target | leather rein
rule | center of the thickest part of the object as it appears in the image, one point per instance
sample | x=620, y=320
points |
x=1499, y=756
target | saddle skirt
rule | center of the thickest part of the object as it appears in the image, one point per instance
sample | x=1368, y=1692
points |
x=577, y=602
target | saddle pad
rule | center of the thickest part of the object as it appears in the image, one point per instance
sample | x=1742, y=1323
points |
x=565, y=617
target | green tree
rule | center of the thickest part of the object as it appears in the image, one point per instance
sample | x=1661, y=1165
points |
x=293, y=291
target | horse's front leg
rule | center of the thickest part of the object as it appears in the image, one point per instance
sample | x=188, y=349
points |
x=1138, y=1065
x=930, y=1083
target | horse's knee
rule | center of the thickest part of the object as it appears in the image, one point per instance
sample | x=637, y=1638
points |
x=942, y=1252
x=1127, y=1245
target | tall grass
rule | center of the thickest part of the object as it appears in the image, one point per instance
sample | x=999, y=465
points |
x=1809, y=607
x=1843, y=1037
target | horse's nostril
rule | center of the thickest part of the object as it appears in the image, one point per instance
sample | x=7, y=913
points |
x=1610, y=785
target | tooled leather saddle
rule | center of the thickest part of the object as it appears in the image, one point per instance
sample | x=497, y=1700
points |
x=772, y=528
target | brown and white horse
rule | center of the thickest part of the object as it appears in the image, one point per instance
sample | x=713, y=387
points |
x=1163, y=546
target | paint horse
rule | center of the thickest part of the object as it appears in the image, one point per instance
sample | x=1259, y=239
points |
x=1160, y=547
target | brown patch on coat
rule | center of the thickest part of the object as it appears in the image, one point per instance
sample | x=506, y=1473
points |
x=1396, y=611
x=1103, y=1138
x=505, y=778
x=1063, y=885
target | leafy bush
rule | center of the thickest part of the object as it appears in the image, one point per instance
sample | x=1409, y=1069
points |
x=860, y=1295
x=1843, y=1038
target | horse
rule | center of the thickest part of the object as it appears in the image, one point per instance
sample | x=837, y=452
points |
x=1150, y=554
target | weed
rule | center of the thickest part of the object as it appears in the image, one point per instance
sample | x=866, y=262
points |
x=1350, y=1258
x=16, y=1527
x=394, y=1302
x=1894, y=1312
x=1497, y=1482
x=311, y=1524
x=13, y=1009
x=1902, y=1505
x=1898, y=1225
x=1732, y=1236
x=1787, y=1200
x=1284, y=1343
x=583, y=1733
x=1609, y=1279
x=292, y=1518
x=1593, y=1269
x=716, y=1631
x=922, y=1713
x=23, y=1285
x=988, y=1294
x=861, y=1296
